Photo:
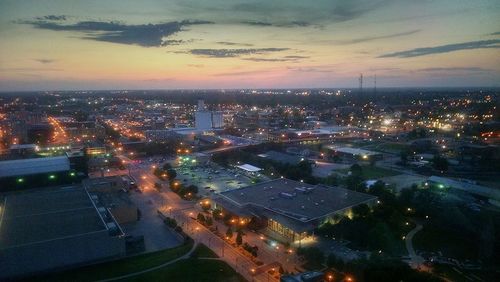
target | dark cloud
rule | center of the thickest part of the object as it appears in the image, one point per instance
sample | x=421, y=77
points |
x=282, y=59
x=285, y=24
x=146, y=35
x=52, y=18
x=296, y=57
x=233, y=43
x=230, y=53
x=266, y=59
x=45, y=61
x=495, y=43
x=372, y=38
x=495, y=33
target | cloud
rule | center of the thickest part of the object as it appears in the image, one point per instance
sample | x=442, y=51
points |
x=146, y=35
x=495, y=33
x=234, y=43
x=52, y=18
x=45, y=61
x=239, y=73
x=231, y=53
x=283, y=24
x=462, y=69
x=483, y=44
x=282, y=59
x=372, y=38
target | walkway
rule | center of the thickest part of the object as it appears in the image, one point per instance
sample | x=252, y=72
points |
x=415, y=260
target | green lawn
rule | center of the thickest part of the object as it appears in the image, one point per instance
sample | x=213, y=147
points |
x=118, y=267
x=196, y=270
x=451, y=244
x=372, y=172
x=392, y=147
x=203, y=251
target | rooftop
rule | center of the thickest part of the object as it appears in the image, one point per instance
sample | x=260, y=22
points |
x=353, y=151
x=39, y=216
x=284, y=199
x=249, y=168
x=33, y=166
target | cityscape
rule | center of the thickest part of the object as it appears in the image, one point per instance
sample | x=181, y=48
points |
x=285, y=141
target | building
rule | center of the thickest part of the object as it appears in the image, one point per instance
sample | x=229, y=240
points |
x=249, y=169
x=36, y=172
x=205, y=119
x=62, y=222
x=355, y=153
x=290, y=209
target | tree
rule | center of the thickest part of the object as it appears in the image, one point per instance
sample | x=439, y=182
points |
x=216, y=213
x=362, y=210
x=201, y=217
x=404, y=156
x=229, y=233
x=209, y=221
x=172, y=174
x=167, y=166
x=313, y=255
x=239, y=237
x=440, y=163
x=356, y=170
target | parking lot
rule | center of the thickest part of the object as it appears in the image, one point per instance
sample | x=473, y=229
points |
x=212, y=179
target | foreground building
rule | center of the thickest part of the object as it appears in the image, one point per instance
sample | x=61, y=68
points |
x=53, y=229
x=290, y=209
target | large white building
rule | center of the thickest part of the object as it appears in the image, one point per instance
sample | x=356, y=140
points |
x=205, y=119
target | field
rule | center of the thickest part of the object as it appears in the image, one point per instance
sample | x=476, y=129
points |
x=118, y=267
x=192, y=270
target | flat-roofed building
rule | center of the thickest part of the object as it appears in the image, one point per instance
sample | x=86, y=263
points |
x=355, y=153
x=291, y=208
x=53, y=229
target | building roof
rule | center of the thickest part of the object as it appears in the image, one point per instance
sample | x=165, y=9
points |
x=49, y=215
x=249, y=168
x=295, y=204
x=33, y=166
x=353, y=151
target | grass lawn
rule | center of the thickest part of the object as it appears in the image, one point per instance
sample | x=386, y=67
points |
x=392, y=147
x=118, y=267
x=373, y=172
x=192, y=270
x=203, y=251
x=433, y=239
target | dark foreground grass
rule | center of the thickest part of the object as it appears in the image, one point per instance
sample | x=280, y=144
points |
x=192, y=270
x=202, y=251
x=116, y=268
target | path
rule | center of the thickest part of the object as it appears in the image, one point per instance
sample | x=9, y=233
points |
x=415, y=260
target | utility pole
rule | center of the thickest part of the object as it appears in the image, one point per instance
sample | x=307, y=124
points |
x=361, y=83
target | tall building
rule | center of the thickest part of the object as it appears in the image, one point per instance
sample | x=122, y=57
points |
x=205, y=119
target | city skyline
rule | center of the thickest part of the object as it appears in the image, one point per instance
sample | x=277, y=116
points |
x=56, y=45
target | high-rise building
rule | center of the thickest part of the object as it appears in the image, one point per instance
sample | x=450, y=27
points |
x=205, y=119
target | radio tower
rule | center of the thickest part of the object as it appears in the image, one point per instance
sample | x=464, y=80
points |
x=361, y=83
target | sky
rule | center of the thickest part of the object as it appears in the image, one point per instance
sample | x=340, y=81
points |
x=222, y=44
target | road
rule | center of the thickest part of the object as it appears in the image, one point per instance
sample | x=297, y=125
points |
x=415, y=260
